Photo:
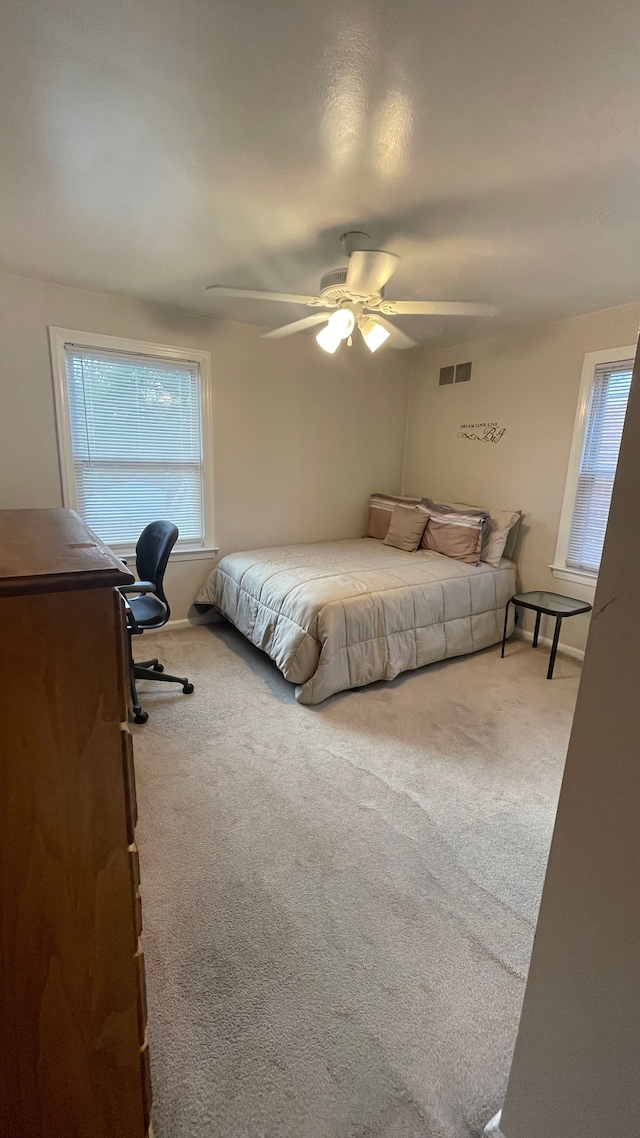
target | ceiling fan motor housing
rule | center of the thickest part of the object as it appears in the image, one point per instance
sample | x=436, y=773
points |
x=333, y=289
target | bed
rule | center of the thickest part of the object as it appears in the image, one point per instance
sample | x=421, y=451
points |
x=341, y=614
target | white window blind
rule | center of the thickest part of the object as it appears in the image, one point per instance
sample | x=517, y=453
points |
x=136, y=435
x=607, y=409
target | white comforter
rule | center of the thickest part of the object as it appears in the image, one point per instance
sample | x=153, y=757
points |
x=340, y=614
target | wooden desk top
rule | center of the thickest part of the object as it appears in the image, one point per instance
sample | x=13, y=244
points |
x=53, y=551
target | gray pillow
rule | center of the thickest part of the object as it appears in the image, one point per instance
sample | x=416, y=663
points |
x=497, y=530
x=455, y=534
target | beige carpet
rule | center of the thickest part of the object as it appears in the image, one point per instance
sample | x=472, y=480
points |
x=339, y=901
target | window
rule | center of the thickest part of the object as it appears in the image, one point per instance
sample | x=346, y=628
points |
x=134, y=436
x=606, y=382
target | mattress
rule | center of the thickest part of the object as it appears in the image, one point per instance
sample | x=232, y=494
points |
x=341, y=614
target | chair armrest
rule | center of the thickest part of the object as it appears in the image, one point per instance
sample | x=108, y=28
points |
x=139, y=588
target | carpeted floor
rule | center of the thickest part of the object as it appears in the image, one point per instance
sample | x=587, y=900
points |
x=339, y=901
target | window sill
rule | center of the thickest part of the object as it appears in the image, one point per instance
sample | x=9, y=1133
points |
x=195, y=554
x=576, y=575
x=198, y=554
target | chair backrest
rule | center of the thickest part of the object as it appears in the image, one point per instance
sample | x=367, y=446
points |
x=152, y=554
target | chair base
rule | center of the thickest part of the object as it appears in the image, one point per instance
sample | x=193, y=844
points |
x=151, y=670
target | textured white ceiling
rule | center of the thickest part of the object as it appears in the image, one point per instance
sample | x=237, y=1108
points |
x=155, y=147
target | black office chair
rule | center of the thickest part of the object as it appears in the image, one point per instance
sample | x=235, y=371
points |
x=148, y=606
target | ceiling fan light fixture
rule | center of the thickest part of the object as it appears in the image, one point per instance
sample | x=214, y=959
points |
x=328, y=340
x=373, y=334
x=341, y=323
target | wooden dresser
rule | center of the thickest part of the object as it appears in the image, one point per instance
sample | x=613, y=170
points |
x=74, y=1060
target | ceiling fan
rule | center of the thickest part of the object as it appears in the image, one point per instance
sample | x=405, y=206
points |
x=354, y=297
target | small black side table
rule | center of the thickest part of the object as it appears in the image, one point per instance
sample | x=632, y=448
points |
x=553, y=604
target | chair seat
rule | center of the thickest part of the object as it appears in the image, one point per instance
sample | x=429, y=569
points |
x=148, y=611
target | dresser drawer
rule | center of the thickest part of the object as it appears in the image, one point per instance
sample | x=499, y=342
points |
x=134, y=873
x=122, y=648
x=129, y=776
x=147, y=1097
x=134, y=866
x=142, y=996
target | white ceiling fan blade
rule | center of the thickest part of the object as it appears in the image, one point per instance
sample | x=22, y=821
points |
x=369, y=270
x=437, y=308
x=297, y=325
x=261, y=294
x=397, y=339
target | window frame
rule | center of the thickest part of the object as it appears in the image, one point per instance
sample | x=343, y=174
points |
x=559, y=568
x=58, y=338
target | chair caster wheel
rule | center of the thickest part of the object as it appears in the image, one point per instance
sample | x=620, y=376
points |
x=187, y=689
x=141, y=717
x=158, y=667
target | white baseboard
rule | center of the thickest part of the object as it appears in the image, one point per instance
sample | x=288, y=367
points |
x=177, y=625
x=492, y=1129
x=563, y=649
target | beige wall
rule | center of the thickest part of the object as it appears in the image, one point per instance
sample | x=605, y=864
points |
x=528, y=382
x=300, y=438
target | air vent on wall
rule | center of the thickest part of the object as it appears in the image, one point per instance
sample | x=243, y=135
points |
x=455, y=373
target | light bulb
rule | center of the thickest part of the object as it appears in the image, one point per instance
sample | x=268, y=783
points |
x=342, y=322
x=328, y=340
x=373, y=334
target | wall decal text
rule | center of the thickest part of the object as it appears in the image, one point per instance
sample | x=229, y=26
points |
x=481, y=432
